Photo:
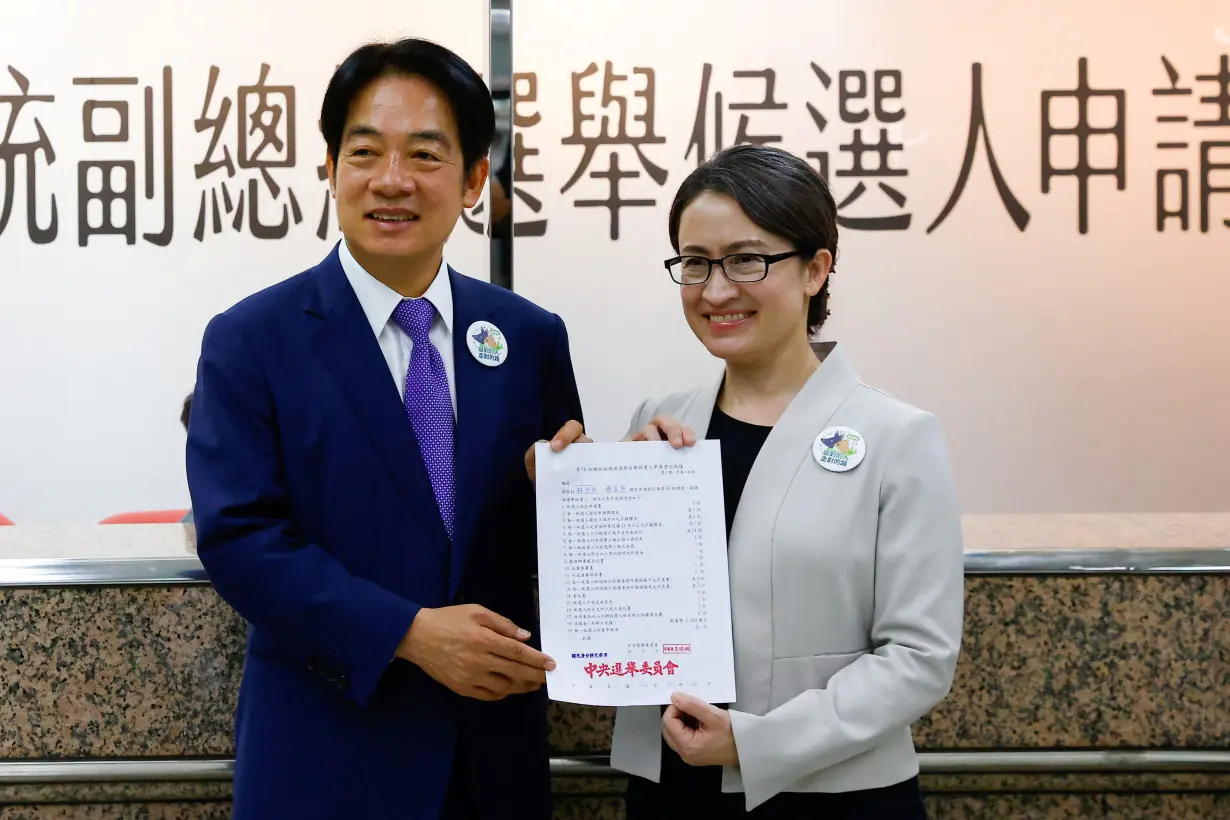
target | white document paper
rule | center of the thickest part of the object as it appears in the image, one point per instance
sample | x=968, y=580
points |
x=632, y=573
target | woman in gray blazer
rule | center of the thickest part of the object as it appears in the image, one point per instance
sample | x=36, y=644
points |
x=845, y=551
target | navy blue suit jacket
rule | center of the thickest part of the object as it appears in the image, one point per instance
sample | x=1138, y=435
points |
x=316, y=521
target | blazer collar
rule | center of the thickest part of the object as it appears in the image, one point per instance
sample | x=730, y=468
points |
x=750, y=552
x=349, y=350
x=326, y=287
x=379, y=300
x=346, y=346
x=834, y=378
x=329, y=287
x=481, y=392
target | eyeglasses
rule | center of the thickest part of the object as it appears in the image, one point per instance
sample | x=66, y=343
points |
x=737, y=267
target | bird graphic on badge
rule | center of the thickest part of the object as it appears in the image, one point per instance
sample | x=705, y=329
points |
x=838, y=442
x=484, y=336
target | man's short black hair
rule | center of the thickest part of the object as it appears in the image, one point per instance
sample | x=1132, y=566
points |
x=468, y=96
x=186, y=412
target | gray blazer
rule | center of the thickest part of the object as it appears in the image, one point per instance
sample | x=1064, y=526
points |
x=847, y=594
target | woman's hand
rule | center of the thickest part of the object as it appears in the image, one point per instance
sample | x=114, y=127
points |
x=570, y=433
x=665, y=428
x=699, y=732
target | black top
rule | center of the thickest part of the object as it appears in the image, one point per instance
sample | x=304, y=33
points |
x=696, y=792
x=741, y=443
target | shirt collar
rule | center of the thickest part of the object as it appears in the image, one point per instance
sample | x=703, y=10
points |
x=378, y=300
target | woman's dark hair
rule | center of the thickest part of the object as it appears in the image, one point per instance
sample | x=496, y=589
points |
x=779, y=192
x=468, y=96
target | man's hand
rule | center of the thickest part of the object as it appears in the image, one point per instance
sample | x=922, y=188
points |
x=474, y=652
x=665, y=428
x=699, y=732
x=570, y=433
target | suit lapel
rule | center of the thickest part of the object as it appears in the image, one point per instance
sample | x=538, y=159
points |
x=698, y=411
x=751, y=536
x=348, y=350
x=479, y=398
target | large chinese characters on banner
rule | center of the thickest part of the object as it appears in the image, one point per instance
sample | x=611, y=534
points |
x=158, y=162
x=1033, y=198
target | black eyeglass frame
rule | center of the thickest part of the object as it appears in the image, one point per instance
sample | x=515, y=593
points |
x=767, y=258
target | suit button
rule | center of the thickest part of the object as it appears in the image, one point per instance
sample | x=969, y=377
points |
x=461, y=599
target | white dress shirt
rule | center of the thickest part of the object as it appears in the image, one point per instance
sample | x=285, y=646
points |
x=378, y=301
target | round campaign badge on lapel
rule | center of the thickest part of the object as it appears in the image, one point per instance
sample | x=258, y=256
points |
x=839, y=449
x=487, y=344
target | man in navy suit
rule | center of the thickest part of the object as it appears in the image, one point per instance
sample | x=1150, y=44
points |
x=355, y=459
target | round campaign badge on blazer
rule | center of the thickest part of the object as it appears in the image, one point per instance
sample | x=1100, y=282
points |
x=487, y=344
x=839, y=449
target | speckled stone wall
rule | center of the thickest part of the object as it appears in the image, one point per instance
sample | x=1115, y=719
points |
x=117, y=672
x=1080, y=662
x=1048, y=662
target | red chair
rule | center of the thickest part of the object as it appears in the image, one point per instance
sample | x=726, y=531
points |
x=4, y=522
x=147, y=517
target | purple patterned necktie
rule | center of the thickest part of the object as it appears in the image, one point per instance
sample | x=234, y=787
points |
x=429, y=404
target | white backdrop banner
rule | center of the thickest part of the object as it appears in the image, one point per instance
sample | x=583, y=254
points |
x=1034, y=213
x=1034, y=206
x=158, y=162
